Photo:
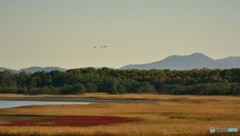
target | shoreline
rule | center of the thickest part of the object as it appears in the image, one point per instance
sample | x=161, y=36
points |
x=119, y=98
x=78, y=99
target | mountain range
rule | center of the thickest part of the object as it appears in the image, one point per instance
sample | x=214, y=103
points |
x=34, y=69
x=188, y=62
x=174, y=62
x=6, y=69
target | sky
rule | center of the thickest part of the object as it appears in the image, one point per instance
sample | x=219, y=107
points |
x=64, y=32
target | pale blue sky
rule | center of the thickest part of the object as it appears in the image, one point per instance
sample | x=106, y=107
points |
x=64, y=32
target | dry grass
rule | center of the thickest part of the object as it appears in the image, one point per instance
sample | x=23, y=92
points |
x=186, y=115
x=126, y=96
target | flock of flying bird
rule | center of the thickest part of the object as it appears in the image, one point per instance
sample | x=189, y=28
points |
x=101, y=47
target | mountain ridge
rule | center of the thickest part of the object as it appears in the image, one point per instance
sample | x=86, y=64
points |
x=34, y=69
x=173, y=62
x=232, y=60
x=186, y=62
x=7, y=69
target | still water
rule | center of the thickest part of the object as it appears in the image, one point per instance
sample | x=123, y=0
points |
x=10, y=104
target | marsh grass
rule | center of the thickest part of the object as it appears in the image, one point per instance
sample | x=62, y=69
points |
x=184, y=116
x=127, y=96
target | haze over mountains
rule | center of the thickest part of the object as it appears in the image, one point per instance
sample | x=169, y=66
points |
x=188, y=62
x=4, y=69
x=34, y=69
x=46, y=69
x=174, y=62
x=230, y=61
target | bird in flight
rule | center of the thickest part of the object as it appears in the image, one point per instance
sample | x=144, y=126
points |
x=102, y=46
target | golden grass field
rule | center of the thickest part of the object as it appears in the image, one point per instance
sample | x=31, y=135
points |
x=180, y=116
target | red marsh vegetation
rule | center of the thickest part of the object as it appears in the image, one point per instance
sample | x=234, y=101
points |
x=70, y=121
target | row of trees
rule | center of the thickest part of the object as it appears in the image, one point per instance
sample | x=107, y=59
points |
x=198, y=82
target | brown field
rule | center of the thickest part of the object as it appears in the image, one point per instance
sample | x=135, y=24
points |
x=124, y=96
x=181, y=115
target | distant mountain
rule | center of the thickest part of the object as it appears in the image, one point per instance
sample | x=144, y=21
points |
x=174, y=62
x=46, y=69
x=233, y=62
x=188, y=62
x=6, y=69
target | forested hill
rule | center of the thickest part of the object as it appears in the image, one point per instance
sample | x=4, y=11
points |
x=196, y=82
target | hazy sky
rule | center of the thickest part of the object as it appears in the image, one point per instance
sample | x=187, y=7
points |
x=64, y=32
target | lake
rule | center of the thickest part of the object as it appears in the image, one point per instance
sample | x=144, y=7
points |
x=10, y=104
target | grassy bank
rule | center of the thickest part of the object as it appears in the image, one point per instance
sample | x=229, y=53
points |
x=185, y=115
x=125, y=96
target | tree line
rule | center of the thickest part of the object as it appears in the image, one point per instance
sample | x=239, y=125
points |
x=89, y=80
